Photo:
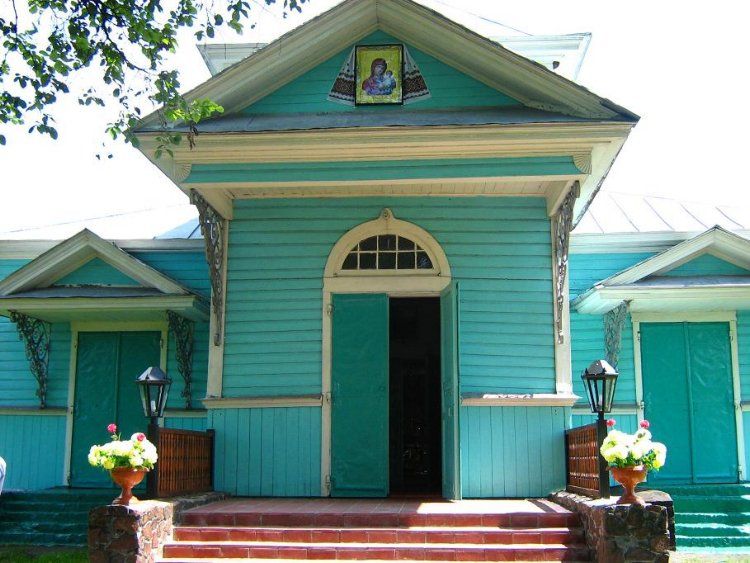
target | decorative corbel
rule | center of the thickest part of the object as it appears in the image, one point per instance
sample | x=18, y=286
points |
x=183, y=330
x=562, y=224
x=214, y=229
x=614, y=321
x=35, y=334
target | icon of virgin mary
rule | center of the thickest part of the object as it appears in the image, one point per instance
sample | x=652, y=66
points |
x=381, y=81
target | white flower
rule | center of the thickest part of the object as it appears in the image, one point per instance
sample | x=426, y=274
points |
x=641, y=448
x=661, y=454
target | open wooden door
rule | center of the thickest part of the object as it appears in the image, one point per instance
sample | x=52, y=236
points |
x=449, y=384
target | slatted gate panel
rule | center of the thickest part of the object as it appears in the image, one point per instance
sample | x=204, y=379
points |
x=185, y=463
x=586, y=471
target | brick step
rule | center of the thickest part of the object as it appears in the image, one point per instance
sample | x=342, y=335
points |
x=375, y=551
x=440, y=534
x=380, y=519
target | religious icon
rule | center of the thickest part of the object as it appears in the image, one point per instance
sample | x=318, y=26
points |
x=379, y=74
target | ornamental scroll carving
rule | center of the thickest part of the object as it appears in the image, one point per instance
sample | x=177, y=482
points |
x=214, y=229
x=184, y=331
x=562, y=224
x=614, y=321
x=35, y=335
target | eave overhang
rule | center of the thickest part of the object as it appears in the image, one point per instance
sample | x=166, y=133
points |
x=66, y=309
x=592, y=146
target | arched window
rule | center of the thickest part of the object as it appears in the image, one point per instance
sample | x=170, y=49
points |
x=387, y=252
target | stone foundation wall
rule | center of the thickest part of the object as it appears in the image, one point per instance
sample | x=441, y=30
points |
x=624, y=533
x=137, y=533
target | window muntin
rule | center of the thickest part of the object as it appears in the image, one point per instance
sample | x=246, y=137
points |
x=387, y=252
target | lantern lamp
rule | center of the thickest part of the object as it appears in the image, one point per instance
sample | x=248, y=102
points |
x=154, y=387
x=600, y=380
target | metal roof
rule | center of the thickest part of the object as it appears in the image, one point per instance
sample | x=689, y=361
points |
x=616, y=212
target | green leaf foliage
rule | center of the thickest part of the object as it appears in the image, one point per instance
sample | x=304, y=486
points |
x=124, y=43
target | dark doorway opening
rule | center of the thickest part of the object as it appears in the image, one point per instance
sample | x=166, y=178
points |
x=415, y=425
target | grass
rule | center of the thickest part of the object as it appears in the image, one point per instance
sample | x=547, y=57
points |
x=22, y=554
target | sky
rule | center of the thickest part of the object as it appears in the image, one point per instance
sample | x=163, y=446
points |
x=680, y=65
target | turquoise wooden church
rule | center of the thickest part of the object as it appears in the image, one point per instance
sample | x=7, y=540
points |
x=385, y=306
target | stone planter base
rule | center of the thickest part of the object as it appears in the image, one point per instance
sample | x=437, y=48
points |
x=625, y=533
x=136, y=532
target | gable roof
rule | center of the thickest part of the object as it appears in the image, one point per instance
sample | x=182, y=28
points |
x=644, y=280
x=305, y=47
x=72, y=253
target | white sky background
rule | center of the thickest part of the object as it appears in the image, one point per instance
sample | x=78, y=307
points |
x=682, y=66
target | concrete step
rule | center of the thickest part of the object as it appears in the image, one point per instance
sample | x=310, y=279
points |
x=723, y=503
x=716, y=541
x=711, y=529
x=12, y=537
x=729, y=518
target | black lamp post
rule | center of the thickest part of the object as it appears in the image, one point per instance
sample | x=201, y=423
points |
x=153, y=385
x=600, y=380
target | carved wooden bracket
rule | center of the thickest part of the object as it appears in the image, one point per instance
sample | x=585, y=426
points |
x=562, y=224
x=614, y=321
x=214, y=229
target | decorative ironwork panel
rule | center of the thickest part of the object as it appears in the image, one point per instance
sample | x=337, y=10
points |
x=214, y=229
x=562, y=223
x=35, y=334
x=614, y=321
x=183, y=330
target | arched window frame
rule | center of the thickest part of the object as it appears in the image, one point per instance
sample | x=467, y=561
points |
x=387, y=224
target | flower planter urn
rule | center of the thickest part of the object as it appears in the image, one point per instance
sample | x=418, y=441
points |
x=126, y=478
x=629, y=477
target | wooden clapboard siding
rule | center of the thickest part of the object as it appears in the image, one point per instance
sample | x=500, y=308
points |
x=448, y=87
x=587, y=345
x=97, y=272
x=625, y=422
x=743, y=349
x=267, y=451
x=587, y=269
x=197, y=423
x=746, y=433
x=498, y=249
x=33, y=448
x=189, y=269
x=707, y=265
x=512, y=451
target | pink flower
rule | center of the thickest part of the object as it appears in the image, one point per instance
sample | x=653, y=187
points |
x=645, y=424
x=112, y=428
x=141, y=436
x=611, y=422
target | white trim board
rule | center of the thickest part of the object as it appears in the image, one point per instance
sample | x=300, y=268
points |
x=521, y=400
x=263, y=402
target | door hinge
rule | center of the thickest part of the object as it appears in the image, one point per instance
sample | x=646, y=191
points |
x=641, y=406
x=329, y=309
x=327, y=398
x=638, y=335
x=329, y=484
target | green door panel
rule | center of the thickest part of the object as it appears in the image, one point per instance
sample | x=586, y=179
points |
x=94, y=406
x=687, y=392
x=714, y=459
x=139, y=350
x=107, y=364
x=449, y=383
x=359, y=396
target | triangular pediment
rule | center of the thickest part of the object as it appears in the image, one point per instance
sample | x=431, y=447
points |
x=323, y=38
x=717, y=246
x=87, y=260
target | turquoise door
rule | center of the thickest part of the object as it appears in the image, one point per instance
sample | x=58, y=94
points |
x=449, y=384
x=359, y=396
x=107, y=365
x=689, y=400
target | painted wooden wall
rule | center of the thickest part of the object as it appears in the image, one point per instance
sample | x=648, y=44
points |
x=97, y=272
x=512, y=451
x=33, y=448
x=267, y=451
x=197, y=423
x=448, y=87
x=498, y=249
